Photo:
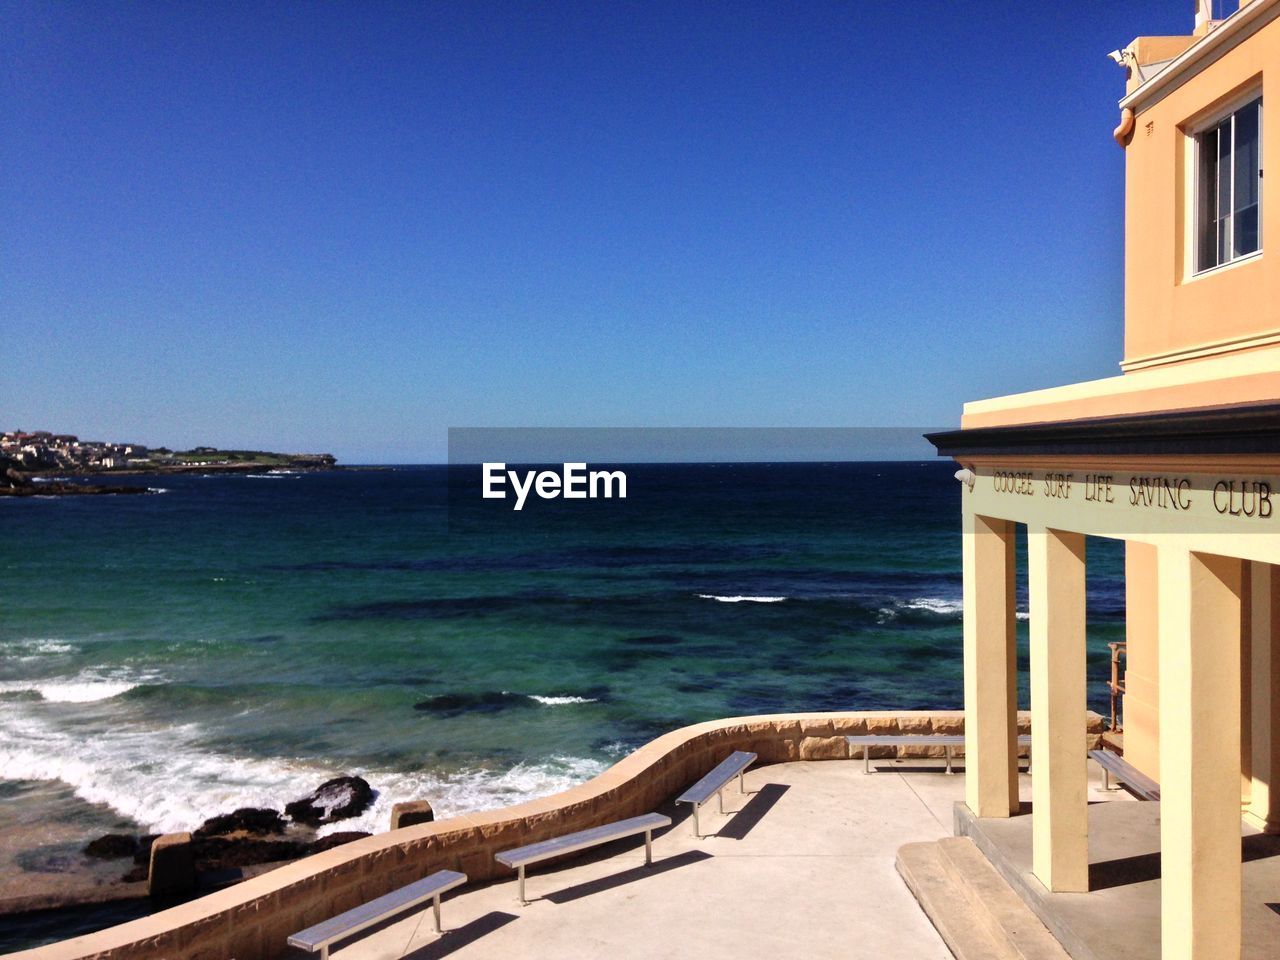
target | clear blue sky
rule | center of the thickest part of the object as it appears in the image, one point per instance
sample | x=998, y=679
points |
x=348, y=227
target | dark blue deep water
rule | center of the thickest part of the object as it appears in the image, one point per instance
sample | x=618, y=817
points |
x=231, y=639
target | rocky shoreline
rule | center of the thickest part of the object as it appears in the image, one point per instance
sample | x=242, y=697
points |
x=223, y=850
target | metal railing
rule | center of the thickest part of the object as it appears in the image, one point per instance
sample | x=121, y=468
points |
x=1116, y=683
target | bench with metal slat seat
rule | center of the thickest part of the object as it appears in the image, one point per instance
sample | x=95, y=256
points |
x=714, y=783
x=320, y=936
x=947, y=740
x=1133, y=779
x=520, y=857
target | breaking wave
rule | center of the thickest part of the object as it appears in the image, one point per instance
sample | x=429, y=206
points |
x=740, y=599
x=169, y=779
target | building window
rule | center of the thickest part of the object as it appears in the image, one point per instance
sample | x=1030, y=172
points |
x=1229, y=188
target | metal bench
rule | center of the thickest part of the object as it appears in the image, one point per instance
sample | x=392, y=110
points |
x=714, y=782
x=946, y=740
x=366, y=915
x=1134, y=780
x=520, y=857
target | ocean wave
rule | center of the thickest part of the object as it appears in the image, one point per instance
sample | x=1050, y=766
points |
x=157, y=489
x=942, y=607
x=561, y=701
x=927, y=607
x=168, y=780
x=740, y=599
x=74, y=690
x=35, y=648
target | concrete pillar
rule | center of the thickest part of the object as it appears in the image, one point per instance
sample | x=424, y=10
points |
x=172, y=871
x=990, y=667
x=1200, y=869
x=1264, y=768
x=1059, y=784
x=409, y=812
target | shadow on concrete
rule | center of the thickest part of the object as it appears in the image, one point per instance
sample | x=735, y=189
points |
x=752, y=812
x=460, y=937
x=1123, y=871
x=1142, y=867
x=630, y=875
x=1259, y=846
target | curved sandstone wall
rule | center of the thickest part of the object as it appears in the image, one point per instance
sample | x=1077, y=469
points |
x=253, y=919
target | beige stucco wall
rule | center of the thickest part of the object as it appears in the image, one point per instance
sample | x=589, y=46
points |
x=1166, y=309
x=252, y=919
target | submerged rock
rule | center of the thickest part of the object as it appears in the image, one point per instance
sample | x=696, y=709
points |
x=338, y=799
x=221, y=853
x=247, y=819
x=337, y=840
x=490, y=701
x=112, y=846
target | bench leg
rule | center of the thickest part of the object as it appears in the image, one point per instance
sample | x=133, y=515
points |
x=435, y=908
x=720, y=799
x=324, y=952
x=742, y=787
x=1106, y=779
x=947, y=748
x=520, y=880
x=866, y=759
x=648, y=848
x=696, y=831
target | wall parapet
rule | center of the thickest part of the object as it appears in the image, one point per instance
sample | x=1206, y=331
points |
x=251, y=920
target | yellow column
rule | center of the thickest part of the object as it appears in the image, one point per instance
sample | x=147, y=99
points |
x=990, y=667
x=1059, y=799
x=1264, y=620
x=1199, y=755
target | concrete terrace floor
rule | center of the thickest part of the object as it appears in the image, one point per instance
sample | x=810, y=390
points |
x=805, y=868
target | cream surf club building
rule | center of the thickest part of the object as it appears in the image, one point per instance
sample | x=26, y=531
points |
x=1179, y=457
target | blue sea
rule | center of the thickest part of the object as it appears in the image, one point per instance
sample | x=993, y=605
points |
x=230, y=641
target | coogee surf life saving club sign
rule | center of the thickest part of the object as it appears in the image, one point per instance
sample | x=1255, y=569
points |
x=1142, y=500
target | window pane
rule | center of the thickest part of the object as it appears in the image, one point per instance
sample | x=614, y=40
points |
x=1224, y=180
x=1246, y=230
x=1246, y=180
x=1207, y=201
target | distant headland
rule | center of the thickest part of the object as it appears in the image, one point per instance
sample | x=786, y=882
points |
x=34, y=463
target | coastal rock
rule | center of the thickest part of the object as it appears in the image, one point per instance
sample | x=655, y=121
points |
x=112, y=846
x=246, y=820
x=143, y=856
x=336, y=799
x=221, y=853
x=336, y=840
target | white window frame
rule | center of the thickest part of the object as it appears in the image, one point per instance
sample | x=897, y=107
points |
x=1193, y=134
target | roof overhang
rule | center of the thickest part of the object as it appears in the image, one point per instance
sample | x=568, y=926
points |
x=1252, y=428
x=1228, y=35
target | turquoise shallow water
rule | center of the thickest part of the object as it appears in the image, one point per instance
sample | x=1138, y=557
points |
x=236, y=640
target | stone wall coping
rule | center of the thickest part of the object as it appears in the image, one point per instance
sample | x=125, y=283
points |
x=191, y=929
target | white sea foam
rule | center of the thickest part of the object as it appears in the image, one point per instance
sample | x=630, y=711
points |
x=940, y=606
x=157, y=489
x=170, y=779
x=561, y=701
x=84, y=689
x=740, y=599
x=36, y=647
x=935, y=605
